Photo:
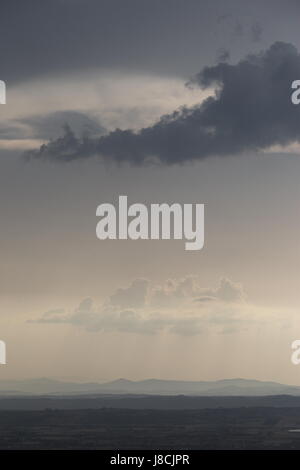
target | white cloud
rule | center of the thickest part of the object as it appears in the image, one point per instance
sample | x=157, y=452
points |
x=132, y=296
x=147, y=309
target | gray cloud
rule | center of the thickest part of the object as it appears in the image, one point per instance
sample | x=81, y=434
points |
x=205, y=298
x=50, y=125
x=223, y=55
x=12, y=130
x=250, y=111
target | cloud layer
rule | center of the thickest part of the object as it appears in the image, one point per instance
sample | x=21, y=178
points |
x=180, y=306
x=251, y=111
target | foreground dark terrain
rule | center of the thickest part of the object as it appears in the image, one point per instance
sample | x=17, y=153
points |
x=252, y=427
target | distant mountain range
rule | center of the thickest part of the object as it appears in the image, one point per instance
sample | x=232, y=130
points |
x=227, y=387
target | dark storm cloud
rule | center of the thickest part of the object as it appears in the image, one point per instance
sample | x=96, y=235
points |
x=223, y=55
x=250, y=111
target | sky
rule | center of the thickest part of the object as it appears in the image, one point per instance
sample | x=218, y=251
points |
x=163, y=101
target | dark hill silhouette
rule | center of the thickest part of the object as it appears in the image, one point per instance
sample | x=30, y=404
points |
x=226, y=387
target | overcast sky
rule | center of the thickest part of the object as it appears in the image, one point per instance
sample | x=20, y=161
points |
x=165, y=101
